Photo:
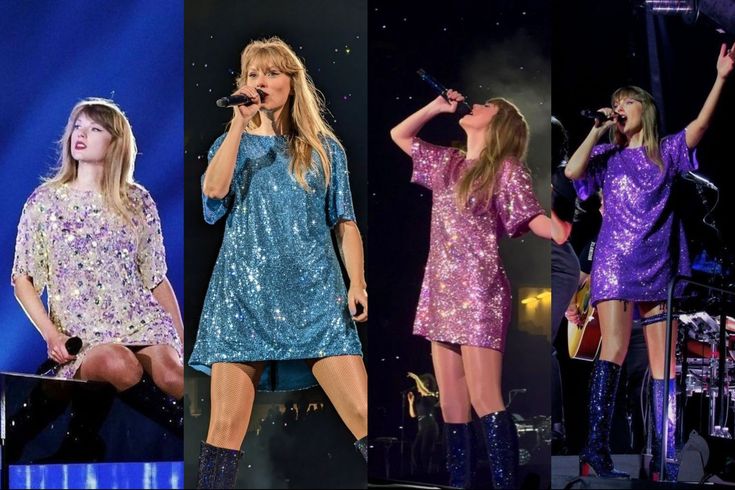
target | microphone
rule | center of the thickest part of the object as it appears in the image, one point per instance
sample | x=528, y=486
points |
x=599, y=115
x=233, y=100
x=518, y=390
x=699, y=180
x=463, y=107
x=73, y=346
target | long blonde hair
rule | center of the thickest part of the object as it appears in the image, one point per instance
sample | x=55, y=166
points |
x=506, y=137
x=308, y=130
x=117, y=173
x=648, y=121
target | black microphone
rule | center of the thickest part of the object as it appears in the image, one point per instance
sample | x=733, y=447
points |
x=73, y=346
x=599, y=115
x=463, y=107
x=233, y=100
x=699, y=180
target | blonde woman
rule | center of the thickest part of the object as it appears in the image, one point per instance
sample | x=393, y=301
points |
x=276, y=315
x=641, y=247
x=91, y=237
x=464, y=306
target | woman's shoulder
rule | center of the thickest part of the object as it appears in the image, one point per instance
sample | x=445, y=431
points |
x=44, y=194
x=139, y=195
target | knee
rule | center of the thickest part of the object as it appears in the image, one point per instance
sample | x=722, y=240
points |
x=121, y=367
x=615, y=348
x=172, y=381
x=454, y=411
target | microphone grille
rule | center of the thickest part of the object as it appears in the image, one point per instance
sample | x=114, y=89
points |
x=222, y=102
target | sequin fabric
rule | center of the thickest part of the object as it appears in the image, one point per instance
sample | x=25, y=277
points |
x=98, y=270
x=641, y=245
x=603, y=387
x=459, y=452
x=218, y=467
x=502, y=448
x=465, y=296
x=276, y=292
x=362, y=446
x=657, y=405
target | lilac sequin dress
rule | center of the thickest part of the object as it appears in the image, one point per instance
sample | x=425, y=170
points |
x=465, y=297
x=641, y=245
x=98, y=270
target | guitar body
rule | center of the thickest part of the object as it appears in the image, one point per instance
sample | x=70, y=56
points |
x=584, y=340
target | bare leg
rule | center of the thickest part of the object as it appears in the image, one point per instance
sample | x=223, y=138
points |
x=616, y=323
x=454, y=397
x=344, y=380
x=655, y=335
x=113, y=363
x=483, y=369
x=163, y=365
x=233, y=393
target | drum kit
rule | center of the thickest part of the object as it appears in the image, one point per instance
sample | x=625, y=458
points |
x=700, y=364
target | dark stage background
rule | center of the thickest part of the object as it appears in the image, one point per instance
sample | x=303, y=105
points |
x=331, y=38
x=54, y=54
x=484, y=49
x=600, y=46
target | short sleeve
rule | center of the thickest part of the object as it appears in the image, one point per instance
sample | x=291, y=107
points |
x=214, y=209
x=31, y=244
x=151, y=252
x=428, y=159
x=594, y=175
x=677, y=155
x=515, y=201
x=339, y=196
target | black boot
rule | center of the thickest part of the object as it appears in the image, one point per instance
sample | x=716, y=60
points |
x=217, y=467
x=361, y=445
x=154, y=403
x=657, y=405
x=459, y=444
x=46, y=402
x=502, y=447
x=82, y=442
x=596, y=455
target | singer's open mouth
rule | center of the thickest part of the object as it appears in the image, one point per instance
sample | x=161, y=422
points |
x=80, y=146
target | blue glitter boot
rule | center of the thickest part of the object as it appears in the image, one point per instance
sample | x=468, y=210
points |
x=596, y=455
x=361, y=445
x=502, y=448
x=459, y=444
x=657, y=403
x=217, y=467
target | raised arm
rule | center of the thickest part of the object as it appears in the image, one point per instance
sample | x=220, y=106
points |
x=221, y=168
x=403, y=133
x=577, y=164
x=697, y=128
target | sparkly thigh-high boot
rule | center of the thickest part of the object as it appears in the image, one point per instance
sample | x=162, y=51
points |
x=502, y=446
x=153, y=402
x=217, y=467
x=361, y=445
x=596, y=454
x=657, y=403
x=459, y=443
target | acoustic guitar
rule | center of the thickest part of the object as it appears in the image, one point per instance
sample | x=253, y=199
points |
x=584, y=340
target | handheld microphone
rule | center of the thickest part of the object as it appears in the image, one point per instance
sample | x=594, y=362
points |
x=699, y=180
x=233, y=100
x=462, y=108
x=73, y=346
x=598, y=115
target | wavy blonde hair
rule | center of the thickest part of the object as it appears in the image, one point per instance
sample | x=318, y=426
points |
x=648, y=120
x=117, y=174
x=506, y=137
x=308, y=130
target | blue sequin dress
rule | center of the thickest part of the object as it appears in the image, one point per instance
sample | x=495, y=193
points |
x=277, y=292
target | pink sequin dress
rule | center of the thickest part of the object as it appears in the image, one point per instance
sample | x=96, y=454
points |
x=97, y=269
x=465, y=296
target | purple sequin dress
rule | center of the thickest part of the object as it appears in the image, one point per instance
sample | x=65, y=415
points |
x=97, y=269
x=465, y=297
x=641, y=245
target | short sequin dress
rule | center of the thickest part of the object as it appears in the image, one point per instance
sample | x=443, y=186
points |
x=465, y=296
x=98, y=270
x=277, y=292
x=641, y=245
